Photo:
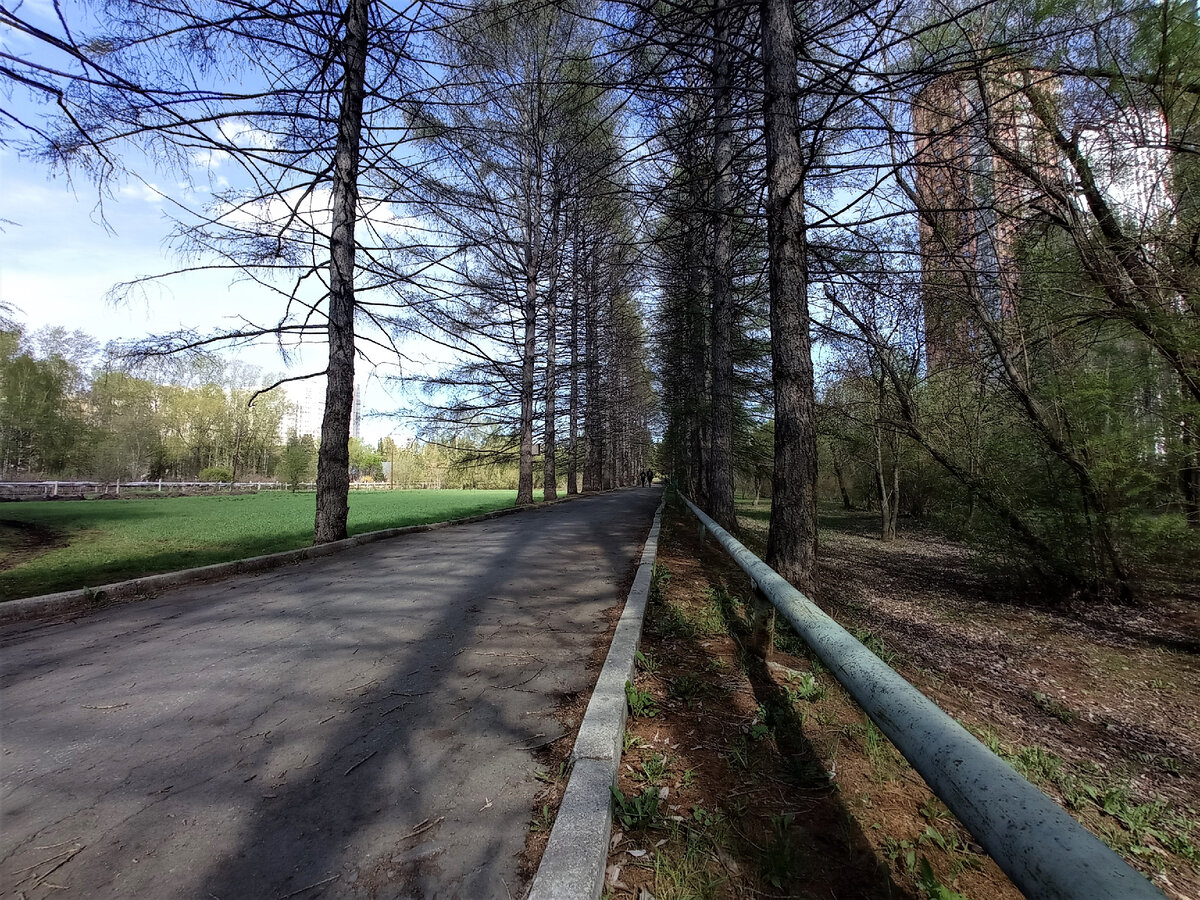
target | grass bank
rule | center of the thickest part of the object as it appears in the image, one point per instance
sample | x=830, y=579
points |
x=61, y=545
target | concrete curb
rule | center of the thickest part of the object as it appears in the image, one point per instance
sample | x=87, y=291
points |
x=573, y=864
x=83, y=600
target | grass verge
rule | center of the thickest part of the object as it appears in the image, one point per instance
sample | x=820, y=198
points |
x=93, y=542
x=756, y=780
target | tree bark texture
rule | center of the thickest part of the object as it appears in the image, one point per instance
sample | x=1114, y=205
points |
x=698, y=358
x=841, y=480
x=1190, y=471
x=525, y=473
x=333, y=460
x=720, y=457
x=550, y=467
x=573, y=395
x=593, y=465
x=889, y=499
x=792, y=538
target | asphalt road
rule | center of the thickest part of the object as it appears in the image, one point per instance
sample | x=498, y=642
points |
x=354, y=726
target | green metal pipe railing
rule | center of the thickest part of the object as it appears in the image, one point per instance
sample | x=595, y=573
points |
x=1045, y=852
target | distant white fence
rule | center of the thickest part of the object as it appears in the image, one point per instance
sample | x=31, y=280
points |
x=48, y=489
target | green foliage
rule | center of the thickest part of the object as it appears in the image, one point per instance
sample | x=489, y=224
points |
x=884, y=760
x=660, y=577
x=642, y=704
x=63, y=414
x=709, y=619
x=651, y=769
x=42, y=423
x=639, y=811
x=364, y=462
x=671, y=621
x=298, y=464
x=780, y=859
x=876, y=644
x=1138, y=829
x=806, y=687
x=1055, y=707
x=786, y=640
x=646, y=662
x=215, y=473
x=933, y=888
x=543, y=821
x=688, y=872
x=686, y=686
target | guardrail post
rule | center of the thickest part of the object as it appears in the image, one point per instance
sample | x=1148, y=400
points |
x=760, y=615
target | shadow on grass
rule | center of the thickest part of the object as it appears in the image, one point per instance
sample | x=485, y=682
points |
x=821, y=850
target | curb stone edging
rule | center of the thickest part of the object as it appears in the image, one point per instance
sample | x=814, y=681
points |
x=574, y=862
x=92, y=599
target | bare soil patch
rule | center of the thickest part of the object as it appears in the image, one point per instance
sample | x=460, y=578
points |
x=1099, y=705
x=22, y=541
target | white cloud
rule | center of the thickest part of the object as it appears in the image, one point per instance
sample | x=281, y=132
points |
x=209, y=159
x=306, y=210
x=146, y=191
x=242, y=134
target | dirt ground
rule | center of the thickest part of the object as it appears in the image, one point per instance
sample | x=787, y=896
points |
x=743, y=780
x=23, y=541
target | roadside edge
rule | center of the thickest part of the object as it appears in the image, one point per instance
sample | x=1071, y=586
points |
x=573, y=863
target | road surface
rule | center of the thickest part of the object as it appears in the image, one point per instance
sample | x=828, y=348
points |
x=353, y=726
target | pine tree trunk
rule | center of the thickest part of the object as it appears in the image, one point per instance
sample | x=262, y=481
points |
x=693, y=475
x=333, y=460
x=605, y=392
x=550, y=467
x=592, y=406
x=841, y=480
x=792, y=538
x=525, y=472
x=887, y=529
x=720, y=457
x=573, y=401
x=1190, y=471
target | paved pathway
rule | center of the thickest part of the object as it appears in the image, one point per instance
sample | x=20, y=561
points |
x=360, y=722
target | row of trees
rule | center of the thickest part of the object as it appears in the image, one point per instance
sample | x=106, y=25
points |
x=999, y=206
x=530, y=246
x=444, y=169
x=71, y=410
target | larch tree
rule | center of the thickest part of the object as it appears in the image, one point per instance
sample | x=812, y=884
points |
x=300, y=99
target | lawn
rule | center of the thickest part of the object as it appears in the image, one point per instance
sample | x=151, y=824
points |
x=60, y=545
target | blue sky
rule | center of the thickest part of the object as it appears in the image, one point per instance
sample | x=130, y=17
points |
x=60, y=260
x=64, y=244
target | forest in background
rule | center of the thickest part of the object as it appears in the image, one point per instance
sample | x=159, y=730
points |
x=71, y=410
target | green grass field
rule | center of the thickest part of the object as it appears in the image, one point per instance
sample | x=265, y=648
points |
x=95, y=542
